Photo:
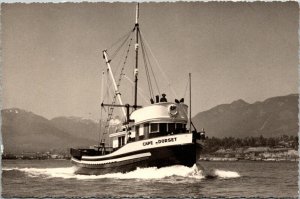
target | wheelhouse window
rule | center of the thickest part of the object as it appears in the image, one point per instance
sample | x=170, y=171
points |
x=163, y=128
x=154, y=128
x=171, y=127
x=180, y=128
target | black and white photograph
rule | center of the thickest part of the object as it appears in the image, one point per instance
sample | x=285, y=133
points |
x=149, y=99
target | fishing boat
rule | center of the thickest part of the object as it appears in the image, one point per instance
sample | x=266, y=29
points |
x=157, y=134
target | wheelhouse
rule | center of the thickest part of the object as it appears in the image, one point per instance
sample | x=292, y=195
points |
x=156, y=120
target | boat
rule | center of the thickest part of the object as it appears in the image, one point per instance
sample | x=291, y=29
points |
x=158, y=134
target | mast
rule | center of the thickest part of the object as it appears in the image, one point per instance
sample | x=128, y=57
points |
x=136, y=55
x=190, y=78
x=117, y=92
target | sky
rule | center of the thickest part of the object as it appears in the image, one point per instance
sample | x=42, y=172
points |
x=52, y=53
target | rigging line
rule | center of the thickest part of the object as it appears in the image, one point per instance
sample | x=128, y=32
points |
x=107, y=94
x=120, y=39
x=119, y=64
x=100, y=124
x=101, y=108
x=140, y=91
x=147, y=71
x=125, y=59
x=124, y=63
x=187, y=117
x=186, y=87
x=160, y=68
x=149, y=75
x=103, y=91
x=118, y=49
x=151, y=69
x=104, y=68
x=111, y=109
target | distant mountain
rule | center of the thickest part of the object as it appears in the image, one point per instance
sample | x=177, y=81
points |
x=83, y=128
x=26, y=131
x=273, y=117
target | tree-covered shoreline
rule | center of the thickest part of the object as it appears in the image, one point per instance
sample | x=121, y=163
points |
x=213, y=144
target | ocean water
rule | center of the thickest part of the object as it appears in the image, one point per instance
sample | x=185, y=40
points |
x=56, y=178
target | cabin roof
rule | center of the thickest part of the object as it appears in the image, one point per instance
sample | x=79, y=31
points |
x=163, y=111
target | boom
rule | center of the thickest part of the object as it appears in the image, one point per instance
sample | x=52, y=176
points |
x=114, y=82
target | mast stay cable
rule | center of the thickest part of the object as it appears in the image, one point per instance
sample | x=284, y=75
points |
x=151, y=69
x=119, y=40
x=140, y=91
x=147, y=70
x=160, y=68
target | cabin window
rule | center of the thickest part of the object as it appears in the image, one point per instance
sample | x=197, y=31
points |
x=153, y=130
x=163, y=128
x=154, y=127
x=137, y=132
x=178, y=128
x=171, y=127
x=121, y=141
x=146, y=130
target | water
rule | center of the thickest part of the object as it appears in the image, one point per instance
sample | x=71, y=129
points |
x=56, y=178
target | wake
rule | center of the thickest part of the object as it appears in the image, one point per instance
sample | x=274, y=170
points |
x=139, y=173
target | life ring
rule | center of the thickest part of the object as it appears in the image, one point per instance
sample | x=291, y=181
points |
x=172, y=109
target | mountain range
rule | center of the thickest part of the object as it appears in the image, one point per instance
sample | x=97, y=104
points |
x=25, y=131
x=273, y=117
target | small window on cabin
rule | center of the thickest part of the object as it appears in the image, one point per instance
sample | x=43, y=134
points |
x=178, y=128
x=122, y=140
x=119, y=141
x=163, y=128
x=154, y=127
x=171, y=127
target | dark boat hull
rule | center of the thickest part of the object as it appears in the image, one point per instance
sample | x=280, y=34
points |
x=186, y=155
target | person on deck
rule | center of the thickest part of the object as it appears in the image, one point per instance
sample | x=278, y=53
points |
x=163, y=99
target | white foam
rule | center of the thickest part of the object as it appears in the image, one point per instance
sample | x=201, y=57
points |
x=65, y=172
x=155, y=173
x=226, y=174
x=139, y=173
